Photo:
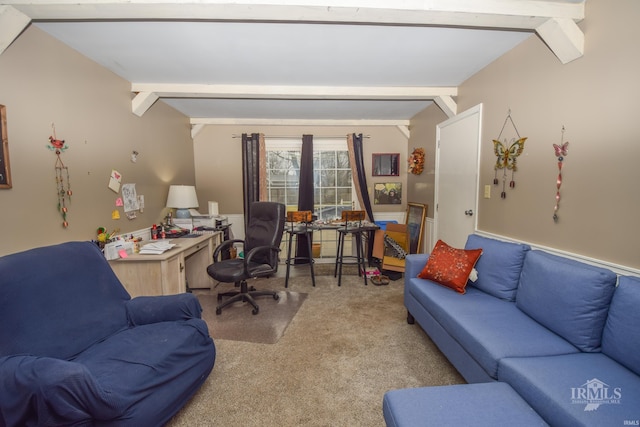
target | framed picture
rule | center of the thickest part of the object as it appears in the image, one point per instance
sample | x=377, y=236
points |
x=389, y=193
x=5, y=169
x=385, y=164
x=416, y=213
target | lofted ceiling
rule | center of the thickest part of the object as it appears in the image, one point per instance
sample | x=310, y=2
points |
x=297, y=61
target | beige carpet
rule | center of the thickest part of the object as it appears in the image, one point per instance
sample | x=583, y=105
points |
x=238, y=324
x=343, y=350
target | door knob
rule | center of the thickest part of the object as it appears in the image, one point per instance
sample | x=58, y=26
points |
x=468, y=212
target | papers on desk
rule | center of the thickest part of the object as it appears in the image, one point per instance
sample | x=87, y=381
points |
x=156, y=248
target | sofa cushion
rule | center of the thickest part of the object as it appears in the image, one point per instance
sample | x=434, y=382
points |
x=621, y=336
x=499, y=266
x=72, y=287
x=137, y=364
x=582, y=389
x=486, y=327
x=449, y=266
x=486, y=404
x=569, y=297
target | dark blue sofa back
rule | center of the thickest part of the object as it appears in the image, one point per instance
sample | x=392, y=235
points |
x=58, y=300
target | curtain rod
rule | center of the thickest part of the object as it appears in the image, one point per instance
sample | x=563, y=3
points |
x=300, y=137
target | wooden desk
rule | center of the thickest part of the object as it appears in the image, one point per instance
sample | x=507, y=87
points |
x=170, y=272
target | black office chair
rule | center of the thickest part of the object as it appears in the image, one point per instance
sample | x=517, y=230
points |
x=261, y=247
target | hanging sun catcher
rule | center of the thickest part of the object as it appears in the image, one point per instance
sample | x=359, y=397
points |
x=63, y=186
x=506, y=155
x=560, y=151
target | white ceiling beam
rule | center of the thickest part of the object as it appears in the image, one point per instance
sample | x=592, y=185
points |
x=564, y=38
x=405, y=131
x=170, y=90
x=543, y=16
x=142, y=102
x=447, y=105
x=197, y=124
x=297, y=122
x=12, y=23
x=523, y=14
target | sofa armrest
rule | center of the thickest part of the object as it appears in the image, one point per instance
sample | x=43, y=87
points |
x=43, y=390
x=414, y=263
x=163, y=308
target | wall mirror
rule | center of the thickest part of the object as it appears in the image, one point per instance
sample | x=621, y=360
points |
x=385, y=164
x=416, y=213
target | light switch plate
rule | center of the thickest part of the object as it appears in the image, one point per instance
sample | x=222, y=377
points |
x=487, y=191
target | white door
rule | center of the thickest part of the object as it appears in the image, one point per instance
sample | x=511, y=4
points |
x=456, y=180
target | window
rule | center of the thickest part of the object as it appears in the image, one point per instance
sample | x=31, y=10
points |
x=333, y=183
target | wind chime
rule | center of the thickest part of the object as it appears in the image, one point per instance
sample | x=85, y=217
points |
x=560, y=151
x=506, y=156
x=63, y=186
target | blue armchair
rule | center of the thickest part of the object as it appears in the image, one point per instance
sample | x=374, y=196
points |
x=75, y=349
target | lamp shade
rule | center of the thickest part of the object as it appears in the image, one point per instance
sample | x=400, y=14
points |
x=182, y=197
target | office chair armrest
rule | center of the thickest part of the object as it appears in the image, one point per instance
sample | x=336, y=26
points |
x=224, y=245
x=248, y=258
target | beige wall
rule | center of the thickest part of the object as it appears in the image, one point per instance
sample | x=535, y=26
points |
x=45, y=82
x=595, y=99
x=421, y=188
x=218, y=160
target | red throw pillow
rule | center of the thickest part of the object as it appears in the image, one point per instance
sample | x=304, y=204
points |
x=449, y=266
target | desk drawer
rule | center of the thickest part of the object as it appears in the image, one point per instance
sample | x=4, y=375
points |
x=192, y=250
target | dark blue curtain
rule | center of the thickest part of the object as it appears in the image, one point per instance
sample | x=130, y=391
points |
x=305, y=191
x=250, y=172
x=361, y=176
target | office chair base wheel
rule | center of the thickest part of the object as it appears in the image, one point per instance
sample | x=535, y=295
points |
x=218, y=311
x=276, y=297
x=255, y=311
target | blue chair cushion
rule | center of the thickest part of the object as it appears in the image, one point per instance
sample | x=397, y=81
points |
x=569, y=297
x=582, y=389
x=621, y=336
x=499, y=266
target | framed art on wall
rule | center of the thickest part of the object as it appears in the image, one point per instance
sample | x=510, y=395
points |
x=5, y=170
x=387, y=193
x=385, y=164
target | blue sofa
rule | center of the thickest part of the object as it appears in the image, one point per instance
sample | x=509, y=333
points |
x=75, y=349
x=564, y=335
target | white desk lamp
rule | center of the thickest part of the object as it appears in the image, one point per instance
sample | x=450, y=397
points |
x=182, y=198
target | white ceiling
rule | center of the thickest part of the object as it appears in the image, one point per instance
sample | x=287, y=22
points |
x=373, y=64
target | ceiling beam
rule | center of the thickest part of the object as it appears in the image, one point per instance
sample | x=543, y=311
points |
x=523, y=14
x=12, y=23
x=197, y=124
x=563, y=37
x=142, y=102
x=148, y=93
x=553, y=20
x=172, y=90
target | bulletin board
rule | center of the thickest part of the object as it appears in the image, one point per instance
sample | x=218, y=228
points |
x=416, y=214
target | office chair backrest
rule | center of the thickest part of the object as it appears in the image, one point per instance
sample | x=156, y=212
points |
x=265, y=228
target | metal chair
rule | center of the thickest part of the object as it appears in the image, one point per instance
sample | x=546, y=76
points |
x=299, y=226
x=352, y=227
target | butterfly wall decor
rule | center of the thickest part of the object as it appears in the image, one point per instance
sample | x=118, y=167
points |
x=507, y=156
x=561, y=151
